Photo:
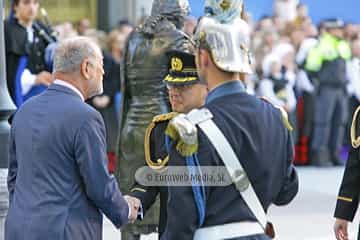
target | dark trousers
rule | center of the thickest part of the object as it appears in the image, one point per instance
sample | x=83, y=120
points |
x=331, y=111
x=309, y=111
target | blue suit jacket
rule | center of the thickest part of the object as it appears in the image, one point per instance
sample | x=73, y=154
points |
x=58, y=179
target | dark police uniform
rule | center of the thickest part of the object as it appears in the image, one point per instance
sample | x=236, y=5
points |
x=348, y=198
x=255, y=130
x=182, y=71
x=155, y=147
x=326, y=63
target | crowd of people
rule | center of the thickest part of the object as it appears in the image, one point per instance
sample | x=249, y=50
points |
x=285, y=45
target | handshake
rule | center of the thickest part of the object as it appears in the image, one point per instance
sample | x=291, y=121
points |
x=135, y=208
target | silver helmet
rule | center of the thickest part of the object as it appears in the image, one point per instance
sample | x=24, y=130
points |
x=228, y=43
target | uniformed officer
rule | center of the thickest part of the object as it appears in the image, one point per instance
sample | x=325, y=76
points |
x=144, y=93
x=327, y=66
x=248, y=125
x=348, y=199
x=186, y=92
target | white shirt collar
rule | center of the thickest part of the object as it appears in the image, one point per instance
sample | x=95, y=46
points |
x=68, y=85
x=30, y=34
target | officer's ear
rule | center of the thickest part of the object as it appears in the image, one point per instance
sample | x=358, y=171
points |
x=205, y=57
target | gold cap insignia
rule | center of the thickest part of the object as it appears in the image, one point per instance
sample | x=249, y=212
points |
x=176, y=64
x=225, y=4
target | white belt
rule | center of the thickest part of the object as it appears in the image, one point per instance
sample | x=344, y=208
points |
x=230, y=230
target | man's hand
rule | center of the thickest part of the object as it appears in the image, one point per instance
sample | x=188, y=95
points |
x=134, y=205
x=44, y=78
x=341, y=229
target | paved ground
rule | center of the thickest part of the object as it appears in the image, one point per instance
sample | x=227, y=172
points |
x=309, y=217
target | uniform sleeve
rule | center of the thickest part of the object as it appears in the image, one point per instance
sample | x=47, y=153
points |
x=148, y=194
x=186, y=220
x=100, y=186
x=348, y=198
x=181, y=222
x=290, y=185
x=13, y=166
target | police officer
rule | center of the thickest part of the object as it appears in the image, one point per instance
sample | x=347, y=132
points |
x=26, y=41
x=186, y=92
x=327, y=66
x=220, y=212
x=144, y=93
x=348, y=198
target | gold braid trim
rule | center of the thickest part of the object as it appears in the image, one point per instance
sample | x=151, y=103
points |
x=160, y=163
x=355, y=140
x=346, y=199
x=171, y=79
x=164, y=117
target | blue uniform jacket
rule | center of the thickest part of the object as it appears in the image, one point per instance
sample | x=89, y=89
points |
x=255, y=130
x=58, y=179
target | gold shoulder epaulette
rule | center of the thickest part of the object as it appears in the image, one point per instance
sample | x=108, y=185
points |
x=183, y=148
x=284, y=114
x=159, y=163
x=355, y=140
x=164, y=117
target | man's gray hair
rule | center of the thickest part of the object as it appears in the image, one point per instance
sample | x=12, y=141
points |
x=71, y=53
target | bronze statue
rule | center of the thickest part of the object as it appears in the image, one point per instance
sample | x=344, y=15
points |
x=144, y=67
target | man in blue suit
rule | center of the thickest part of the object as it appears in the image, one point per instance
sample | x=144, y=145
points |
x=58, y=180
